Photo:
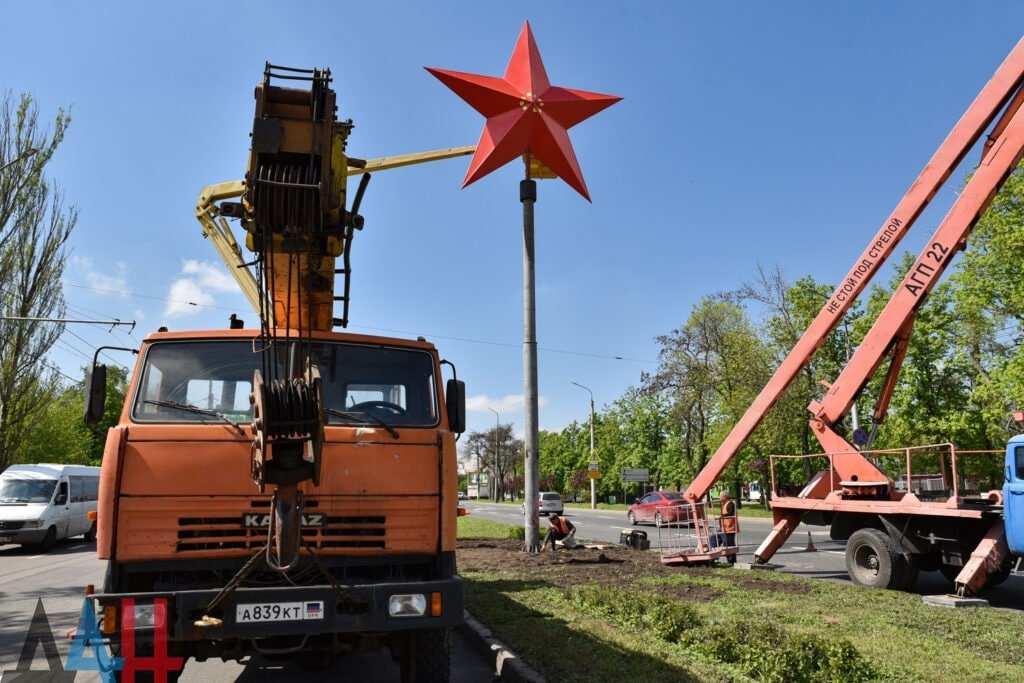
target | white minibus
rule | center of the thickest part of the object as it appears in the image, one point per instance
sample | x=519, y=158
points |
x=42, y=504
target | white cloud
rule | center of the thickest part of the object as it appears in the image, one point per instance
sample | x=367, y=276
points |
x=200, y=281
x=511, y=404
x=105, y=281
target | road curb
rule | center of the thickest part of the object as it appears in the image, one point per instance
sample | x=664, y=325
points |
x=508, y=666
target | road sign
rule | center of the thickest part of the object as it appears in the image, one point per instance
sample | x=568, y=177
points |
x=641, y=474
x=594, y=474
x=593, y=467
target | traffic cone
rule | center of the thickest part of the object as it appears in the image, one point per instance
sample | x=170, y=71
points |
x=810, y=544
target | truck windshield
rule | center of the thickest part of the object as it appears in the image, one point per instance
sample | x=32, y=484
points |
x=397, y=386
x=26, y=490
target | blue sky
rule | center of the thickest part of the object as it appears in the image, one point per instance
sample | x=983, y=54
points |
x=750, y=133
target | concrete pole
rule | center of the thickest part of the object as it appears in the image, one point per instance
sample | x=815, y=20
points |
x=497, y=454
x=528, y=196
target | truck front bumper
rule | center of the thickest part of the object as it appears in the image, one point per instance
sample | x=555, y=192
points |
x=248, y=613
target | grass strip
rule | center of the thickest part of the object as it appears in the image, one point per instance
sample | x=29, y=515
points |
x=732, y=625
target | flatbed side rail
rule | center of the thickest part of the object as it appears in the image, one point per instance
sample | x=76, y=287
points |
x=933, y=471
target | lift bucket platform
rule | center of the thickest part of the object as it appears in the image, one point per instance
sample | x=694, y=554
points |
x=696, y=539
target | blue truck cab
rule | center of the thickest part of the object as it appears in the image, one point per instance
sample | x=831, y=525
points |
x=1013, y=495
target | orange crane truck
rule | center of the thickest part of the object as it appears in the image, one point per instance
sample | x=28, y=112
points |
x=895, y=526
x=283, y=490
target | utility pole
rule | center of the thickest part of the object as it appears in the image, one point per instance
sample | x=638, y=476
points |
x=593, y=453
x=528, y=197
x=497, y=453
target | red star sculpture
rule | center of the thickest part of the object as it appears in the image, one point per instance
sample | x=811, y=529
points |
x=525, y=114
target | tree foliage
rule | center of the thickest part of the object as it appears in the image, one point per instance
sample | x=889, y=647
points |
x=62, y=436
x=35, y=226
x=499, y=454
x=962, y=376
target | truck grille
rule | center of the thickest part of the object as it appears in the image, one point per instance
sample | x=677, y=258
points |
x=10, y=526
x=152, y=528
x=219, y=533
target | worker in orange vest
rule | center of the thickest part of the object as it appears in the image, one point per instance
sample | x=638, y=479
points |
x=730, y=523
x=559, y=528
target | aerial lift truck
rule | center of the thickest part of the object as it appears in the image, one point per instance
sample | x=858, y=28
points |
x=894, y=530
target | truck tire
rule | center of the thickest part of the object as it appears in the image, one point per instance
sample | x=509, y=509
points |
x=1000, y=575
x=871, y=560
x=429, y=656
x=951, y=571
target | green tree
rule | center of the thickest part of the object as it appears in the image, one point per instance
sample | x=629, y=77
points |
x=60, y=435
x=789, y=311
x=711, y=369
x=987, y=294
x=499, y=454
x=564, y=453
x=635, y=433
x=34, y=229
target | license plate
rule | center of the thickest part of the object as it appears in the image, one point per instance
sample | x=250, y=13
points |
x=279, y=611
x=5, y=539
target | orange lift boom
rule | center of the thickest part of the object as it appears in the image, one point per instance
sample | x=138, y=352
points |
x=1003, y=150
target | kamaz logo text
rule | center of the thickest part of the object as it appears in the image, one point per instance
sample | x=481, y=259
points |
x=253, y=520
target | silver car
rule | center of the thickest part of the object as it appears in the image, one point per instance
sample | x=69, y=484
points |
x=549, y=503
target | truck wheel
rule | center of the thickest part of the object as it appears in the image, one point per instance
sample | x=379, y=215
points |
x=429, y=656
x=631, y=518
x=871, y=560
x=951, y=571
x=1000, y=575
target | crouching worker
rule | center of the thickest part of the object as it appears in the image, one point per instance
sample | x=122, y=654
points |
x=559, y=529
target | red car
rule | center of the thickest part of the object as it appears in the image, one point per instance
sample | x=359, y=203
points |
x=659, y=507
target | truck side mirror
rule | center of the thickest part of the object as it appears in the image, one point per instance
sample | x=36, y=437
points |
x=95, y=394
x=455, y=403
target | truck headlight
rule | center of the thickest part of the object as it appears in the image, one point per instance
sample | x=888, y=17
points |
x=33, y=524
x=408, y=605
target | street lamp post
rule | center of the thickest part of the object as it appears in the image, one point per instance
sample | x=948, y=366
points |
x=24, y=155
x=593, y=482
x=497, y=427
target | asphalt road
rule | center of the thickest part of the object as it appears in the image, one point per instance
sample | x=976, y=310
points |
x=59, y=579
x=827, y=561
